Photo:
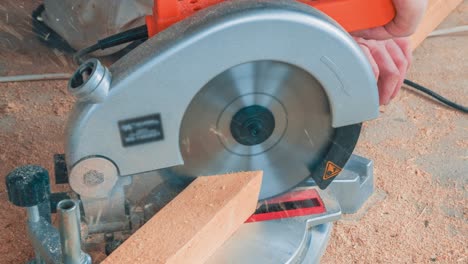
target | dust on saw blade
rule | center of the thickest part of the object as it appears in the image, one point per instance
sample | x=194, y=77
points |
x=263, y=115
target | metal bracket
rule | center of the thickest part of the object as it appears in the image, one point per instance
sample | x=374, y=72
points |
x=354, y=185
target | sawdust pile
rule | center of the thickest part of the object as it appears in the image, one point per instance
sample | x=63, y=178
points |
x=421, y=217
x=420, y=153
x=419, y=214
x=32, y=119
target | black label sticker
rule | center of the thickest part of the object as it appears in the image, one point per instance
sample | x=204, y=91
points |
x=141, y=130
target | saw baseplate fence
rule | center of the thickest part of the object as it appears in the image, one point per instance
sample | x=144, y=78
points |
x=352, y=15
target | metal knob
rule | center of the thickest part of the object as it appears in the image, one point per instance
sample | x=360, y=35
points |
x=91, y=82
x=28, y=186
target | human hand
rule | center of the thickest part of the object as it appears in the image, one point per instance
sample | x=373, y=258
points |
x=390, y=60
x=408, y=15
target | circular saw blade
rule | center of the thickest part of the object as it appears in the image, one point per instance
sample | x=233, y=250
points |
x=267, y=116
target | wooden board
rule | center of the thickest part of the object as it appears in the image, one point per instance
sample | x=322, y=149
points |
x=198, y=221
x=437, y=11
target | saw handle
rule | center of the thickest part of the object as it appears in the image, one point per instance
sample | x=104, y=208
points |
x=353, y=15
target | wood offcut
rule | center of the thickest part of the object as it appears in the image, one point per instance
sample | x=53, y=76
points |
x=196, y=223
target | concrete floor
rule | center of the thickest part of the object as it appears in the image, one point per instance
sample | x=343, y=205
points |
x=420, y=150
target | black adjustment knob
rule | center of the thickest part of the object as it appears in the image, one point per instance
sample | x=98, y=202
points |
x=28, y=186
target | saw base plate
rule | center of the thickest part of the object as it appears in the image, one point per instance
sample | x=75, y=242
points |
x=301, y=239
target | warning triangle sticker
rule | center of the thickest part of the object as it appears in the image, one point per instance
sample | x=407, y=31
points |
x=331, y=171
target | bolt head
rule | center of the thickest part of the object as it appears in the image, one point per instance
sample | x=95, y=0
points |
x=94, y=177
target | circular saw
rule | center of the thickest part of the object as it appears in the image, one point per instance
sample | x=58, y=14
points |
x=276, y=86
x=217, y=87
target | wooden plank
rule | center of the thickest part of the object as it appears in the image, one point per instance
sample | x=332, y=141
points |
x=437, y=11
x=198, y=221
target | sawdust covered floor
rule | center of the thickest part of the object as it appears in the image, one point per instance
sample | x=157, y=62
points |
x=420, y=150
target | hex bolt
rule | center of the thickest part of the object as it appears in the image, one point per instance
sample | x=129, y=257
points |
x=94, y=177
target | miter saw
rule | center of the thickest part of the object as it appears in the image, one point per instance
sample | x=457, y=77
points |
x=221, y=86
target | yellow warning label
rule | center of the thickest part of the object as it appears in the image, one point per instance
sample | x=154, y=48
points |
x=331, y=171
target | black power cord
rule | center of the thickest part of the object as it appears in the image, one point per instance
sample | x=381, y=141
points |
x=134, y=34
x=437, y=96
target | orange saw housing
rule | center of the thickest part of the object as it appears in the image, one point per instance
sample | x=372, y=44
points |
x=353, y=15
